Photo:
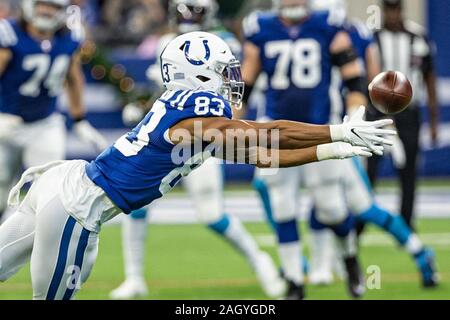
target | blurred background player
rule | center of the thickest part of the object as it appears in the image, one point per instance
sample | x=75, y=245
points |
x=322, y=243
x=342, y=181
x=323, y=261
x=288, y=45
x=404, y=47
x=39, y=55
x=205, y=185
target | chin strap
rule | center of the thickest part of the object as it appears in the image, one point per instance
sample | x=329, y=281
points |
x=294, y=13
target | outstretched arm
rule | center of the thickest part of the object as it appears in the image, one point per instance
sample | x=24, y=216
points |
x=273, y=135
x=288, y=142
x=270, y=158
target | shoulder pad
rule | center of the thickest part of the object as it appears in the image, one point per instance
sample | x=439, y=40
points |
x=251, y=24
x=363, y=31
x=8, y=36
x=335, y=18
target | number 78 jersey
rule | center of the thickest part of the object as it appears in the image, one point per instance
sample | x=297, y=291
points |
x=34, y=77
x=298, y=64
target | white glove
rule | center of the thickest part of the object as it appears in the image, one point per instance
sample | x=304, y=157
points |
x=8, y=122
x=358, y=132
x=341, y=150
x=90, y=135
x=132, y=114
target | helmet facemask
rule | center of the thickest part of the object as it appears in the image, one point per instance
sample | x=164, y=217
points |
x=292, y=11
x=45, y=22
x=233, y=86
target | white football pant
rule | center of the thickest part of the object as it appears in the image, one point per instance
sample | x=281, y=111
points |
x=56, y=226
x=336, y=187
x=29, y=145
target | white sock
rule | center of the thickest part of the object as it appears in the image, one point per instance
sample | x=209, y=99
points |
x=348, y=245
x=414, y=245
x=242, y=240
x=337, y=261
x=134, y=234
x=292, y=261
x=322, y=246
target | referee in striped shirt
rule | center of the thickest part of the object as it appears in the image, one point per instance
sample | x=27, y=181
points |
x=404, y=47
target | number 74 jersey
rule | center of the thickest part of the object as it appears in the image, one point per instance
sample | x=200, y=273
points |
x=298, y=64
x=34, y=77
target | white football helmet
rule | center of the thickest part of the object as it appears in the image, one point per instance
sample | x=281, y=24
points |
x=292, y=9
x=202, y=61
x=192, y=15
x=45, y=23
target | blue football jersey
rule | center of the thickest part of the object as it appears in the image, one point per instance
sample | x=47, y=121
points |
x=36, y=73
x=297, y=61
x=362, y=37
x=144, y=164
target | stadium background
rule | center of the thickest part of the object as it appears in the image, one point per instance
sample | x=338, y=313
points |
x=127, y=53
x=183, y=261
x=104, y=106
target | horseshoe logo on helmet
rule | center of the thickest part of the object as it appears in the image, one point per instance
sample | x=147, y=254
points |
x=187, y=46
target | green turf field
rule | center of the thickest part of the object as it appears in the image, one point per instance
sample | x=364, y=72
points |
x=189, y=262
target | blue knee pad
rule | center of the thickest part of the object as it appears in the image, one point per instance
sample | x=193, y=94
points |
x=314, y=224
x=261, y=187
x=287, y=231
x=139, y=214
x=342, y=230
x=395, y=225
x=220, y=226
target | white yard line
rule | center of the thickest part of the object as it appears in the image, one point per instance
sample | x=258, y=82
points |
x=246, y=205
x=369, y=240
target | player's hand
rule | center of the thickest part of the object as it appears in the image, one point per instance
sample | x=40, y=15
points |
x=132, y=114
x=341, y=150
x=8, y=122
x=358, y=132
x=90, y=135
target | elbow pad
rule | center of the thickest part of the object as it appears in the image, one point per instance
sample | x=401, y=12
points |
x=356, y=84
x=342, y=58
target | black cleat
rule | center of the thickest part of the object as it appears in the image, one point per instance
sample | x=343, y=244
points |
x=355, y=279
x=425, y=260
x=295, y=292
